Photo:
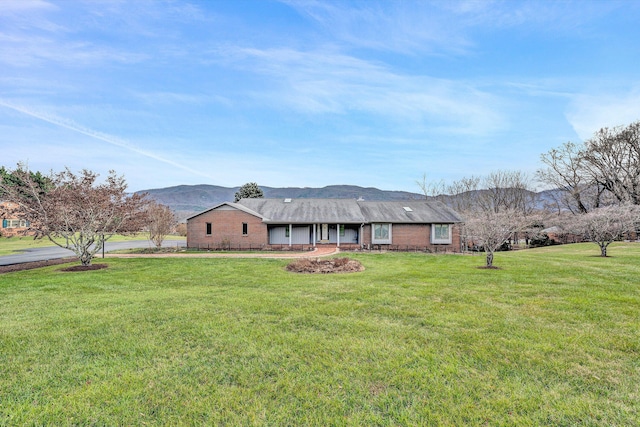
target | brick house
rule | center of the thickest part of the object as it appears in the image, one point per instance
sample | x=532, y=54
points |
x=306, y=223
x=11, y=225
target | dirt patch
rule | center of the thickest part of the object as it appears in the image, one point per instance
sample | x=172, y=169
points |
x=84, y=267
x=325, y=266
x=35, y=264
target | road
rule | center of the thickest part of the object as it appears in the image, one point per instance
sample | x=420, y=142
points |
x=56, y=252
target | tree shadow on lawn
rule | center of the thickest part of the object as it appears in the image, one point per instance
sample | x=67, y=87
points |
x=76, y=268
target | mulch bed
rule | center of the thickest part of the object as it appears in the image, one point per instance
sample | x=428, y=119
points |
x=35, y=264
x=325, y=266
x=85, y=267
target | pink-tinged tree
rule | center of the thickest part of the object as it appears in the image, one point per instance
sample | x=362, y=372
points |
x=605, y=225
x=160, y=222
x=74, y=211
x=491, y=229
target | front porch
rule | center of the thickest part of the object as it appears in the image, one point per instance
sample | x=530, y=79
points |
x=315, y=234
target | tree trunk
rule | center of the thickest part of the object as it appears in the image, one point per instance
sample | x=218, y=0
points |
x=603, y=250
x=85, y=257
x=489, y=259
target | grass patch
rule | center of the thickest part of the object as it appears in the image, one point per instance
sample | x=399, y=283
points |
x=549, y=339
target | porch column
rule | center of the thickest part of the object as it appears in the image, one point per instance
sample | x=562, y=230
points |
x=290, y=234
x=338, y=234
x=314, y=235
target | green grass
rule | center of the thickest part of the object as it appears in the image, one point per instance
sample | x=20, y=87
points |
x=552, y=338
x=15, y=244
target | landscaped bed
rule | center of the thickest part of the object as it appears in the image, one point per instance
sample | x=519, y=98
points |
x=325, y=266
x=551, y=338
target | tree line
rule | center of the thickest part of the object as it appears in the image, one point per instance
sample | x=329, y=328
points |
x=596, y=194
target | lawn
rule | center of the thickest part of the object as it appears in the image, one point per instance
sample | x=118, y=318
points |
x=552, y=338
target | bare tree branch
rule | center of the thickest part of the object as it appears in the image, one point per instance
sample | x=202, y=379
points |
x=74, y=212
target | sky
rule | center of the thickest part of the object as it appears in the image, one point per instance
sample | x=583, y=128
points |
x=305, y=93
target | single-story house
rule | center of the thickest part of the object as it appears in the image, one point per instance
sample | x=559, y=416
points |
x=347, y=223
x=11, y=225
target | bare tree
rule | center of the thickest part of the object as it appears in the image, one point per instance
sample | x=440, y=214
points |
x=613, y=157
x=507, y=190
x=566, y=171
x=602, y=171
x=160, y=222
x=605, y=225
x=491, y=230
x=249, y=190
x=74, y=212
x=432, y=189
x=181, y=229
x=463, y=194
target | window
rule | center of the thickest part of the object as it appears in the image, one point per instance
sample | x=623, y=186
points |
x=208, y=229
x=341, y=230
x=381, y=233
x=441, y=233
x=245, y=228
x=287, y=231
x=14, y=223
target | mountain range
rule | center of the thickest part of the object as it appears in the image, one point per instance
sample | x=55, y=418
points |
x=186, y=200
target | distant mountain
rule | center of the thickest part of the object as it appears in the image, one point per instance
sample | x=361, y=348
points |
x=186, y=200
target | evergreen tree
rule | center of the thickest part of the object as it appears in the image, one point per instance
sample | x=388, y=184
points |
x=249, y=191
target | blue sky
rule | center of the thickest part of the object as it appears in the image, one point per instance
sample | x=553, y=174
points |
x=309, y=93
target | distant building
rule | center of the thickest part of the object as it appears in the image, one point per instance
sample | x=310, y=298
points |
x=11, y=224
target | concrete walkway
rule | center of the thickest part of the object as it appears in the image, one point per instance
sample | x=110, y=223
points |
x=319, y=251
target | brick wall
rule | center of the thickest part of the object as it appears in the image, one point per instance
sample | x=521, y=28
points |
x=226, y=229
x=6, y=213
x=414, y=236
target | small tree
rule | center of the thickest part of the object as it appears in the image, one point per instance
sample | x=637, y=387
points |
x=249, y=191
x=492, y=229
x=605, y=225
x=73, y=211
x=160, y=222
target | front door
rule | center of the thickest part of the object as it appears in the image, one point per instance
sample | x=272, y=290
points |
x=324, y=232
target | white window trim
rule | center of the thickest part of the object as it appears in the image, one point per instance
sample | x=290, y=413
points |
x=16, y=223
x=375, y=241
x=446, y=241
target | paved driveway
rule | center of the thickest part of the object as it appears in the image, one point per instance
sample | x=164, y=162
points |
x=56, y=252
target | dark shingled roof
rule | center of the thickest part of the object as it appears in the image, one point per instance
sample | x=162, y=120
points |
x=418, y=212
x=350, y=211
x=343, y=211
x=233, y=205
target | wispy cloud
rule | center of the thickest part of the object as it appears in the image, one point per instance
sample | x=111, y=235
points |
x=109, y=139
x=590, y=112
x=37, y=33
x=331, y=82
x=443, y=27
x=402, y=26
